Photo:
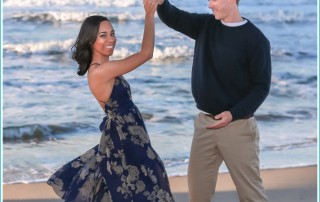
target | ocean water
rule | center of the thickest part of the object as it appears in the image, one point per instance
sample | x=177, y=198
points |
x=50, y=117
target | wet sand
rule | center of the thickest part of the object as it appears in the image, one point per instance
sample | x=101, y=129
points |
x=282, y=185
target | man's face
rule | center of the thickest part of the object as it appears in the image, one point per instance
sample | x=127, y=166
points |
x=220, y=8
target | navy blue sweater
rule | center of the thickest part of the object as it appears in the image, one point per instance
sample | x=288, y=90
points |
x=231, y=67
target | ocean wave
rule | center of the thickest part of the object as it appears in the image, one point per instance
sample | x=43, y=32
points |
x=282, y=16
x=283, y=53
x=173, y=52
x=284, y=78
x=181, y=51
x=68, y=16
x=159, y=53
x=290, y=85
x=39, y=132
x=167, y=119
x=294, y=145
x=59, y=3
x=47, y=47
x=176, y=161
x=64, y=47
x=271, y=12
x=279, y=52
x=273, y=117
x=302, y=114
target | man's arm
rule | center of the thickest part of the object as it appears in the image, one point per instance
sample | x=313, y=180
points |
x=179, y=20
x=260, y=74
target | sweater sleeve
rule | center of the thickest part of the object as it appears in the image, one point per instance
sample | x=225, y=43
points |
x=260, y=80
x=181, y=21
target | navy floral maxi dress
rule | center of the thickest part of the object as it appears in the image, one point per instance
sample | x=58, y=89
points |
x=123, y=167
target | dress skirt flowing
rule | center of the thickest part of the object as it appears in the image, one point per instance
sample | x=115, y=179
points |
x=123, y=167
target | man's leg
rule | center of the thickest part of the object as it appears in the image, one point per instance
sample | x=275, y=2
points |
x=204, y=163
x=239, y=146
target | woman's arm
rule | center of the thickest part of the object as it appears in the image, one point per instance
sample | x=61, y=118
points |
x=112, y=69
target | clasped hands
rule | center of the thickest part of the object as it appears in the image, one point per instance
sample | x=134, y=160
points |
x=159, y=2
x=153, y=2
x=150, y=6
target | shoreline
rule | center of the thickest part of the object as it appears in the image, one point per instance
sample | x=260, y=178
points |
x=171, y=176
x=282, y=185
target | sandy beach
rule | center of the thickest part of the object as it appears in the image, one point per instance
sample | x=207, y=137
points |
x=282, y=185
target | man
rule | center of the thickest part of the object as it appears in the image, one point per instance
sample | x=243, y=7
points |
x=231, y=76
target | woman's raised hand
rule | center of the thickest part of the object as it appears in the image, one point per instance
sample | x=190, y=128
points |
x=150, y=6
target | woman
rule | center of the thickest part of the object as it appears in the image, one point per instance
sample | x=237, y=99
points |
x=124, y=166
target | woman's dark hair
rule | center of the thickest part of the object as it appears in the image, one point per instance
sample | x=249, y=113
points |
x=81, y=50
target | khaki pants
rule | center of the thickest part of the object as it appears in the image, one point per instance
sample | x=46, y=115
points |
x=238, y=146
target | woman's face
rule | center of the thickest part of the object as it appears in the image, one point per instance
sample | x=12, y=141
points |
x=105, y=41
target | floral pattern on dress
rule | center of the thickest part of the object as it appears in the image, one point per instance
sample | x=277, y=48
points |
x=123, y=167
